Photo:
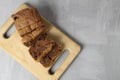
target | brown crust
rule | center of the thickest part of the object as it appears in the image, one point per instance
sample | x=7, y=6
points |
x=26, y=17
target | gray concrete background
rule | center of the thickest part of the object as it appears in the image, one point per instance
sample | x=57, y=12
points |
x=95, y=24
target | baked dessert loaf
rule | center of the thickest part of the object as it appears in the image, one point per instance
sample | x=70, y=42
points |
x=41, y=47
x=45, y=50
x=34, y=35
x=29, y=25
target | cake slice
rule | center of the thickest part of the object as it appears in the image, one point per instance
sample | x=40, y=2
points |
x=45, y=50
x=50, y=58
x=41, y=47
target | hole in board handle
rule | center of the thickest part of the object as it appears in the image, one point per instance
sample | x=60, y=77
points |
x=9, y=32
x=58, y=63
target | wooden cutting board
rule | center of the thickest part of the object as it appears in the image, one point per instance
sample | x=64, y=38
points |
x=14, y=47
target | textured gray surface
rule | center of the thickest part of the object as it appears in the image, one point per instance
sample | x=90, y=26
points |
x=93, y=23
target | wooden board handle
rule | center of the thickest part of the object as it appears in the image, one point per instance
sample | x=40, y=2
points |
x=63, y=67
x=6, y=27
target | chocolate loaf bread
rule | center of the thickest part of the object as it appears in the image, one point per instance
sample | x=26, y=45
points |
x=41, y=47
x=34, y=35
x=45, y=50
